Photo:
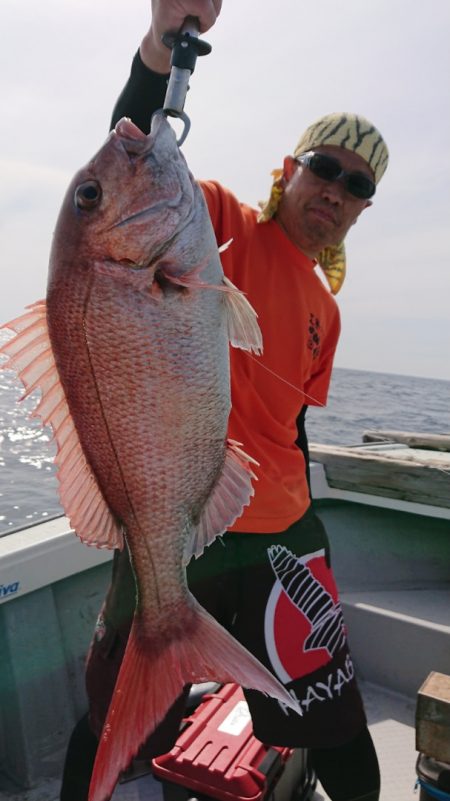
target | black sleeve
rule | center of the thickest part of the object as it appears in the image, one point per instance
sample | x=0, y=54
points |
x=302, y=442
x=142, y=95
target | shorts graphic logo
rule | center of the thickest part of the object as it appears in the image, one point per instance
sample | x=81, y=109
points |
x=304, y=627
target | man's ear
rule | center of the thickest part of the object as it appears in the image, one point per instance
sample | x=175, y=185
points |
x=368, y=204
x=289, y=167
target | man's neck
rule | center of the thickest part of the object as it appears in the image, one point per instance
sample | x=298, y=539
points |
x=311, y=252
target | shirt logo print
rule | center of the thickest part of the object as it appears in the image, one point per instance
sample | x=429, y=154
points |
x=314, y=335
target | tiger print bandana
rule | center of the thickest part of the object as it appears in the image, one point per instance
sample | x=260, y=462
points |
x=352, y=132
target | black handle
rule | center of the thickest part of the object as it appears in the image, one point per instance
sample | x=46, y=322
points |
x=186, y=45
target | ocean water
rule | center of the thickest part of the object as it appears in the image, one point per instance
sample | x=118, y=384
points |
x=358, y=401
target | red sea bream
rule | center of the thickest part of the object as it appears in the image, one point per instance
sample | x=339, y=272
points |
x=130, y=351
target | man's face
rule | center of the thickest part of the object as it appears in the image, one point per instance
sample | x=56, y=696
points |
x=315, y=213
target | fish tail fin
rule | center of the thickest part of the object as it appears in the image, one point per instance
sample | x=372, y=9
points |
x=149, y=682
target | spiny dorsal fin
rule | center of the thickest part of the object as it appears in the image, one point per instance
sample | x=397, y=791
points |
x=30, y=355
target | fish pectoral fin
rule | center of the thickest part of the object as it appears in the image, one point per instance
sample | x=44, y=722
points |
x=166, y=270
x=243, y=329
x=232, y=492
x=30, y=356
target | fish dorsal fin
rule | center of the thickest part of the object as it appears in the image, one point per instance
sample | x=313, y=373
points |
x=243, y=329
x=30, y=355
x=232, y=492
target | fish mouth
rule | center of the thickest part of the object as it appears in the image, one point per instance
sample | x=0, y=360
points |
x=140, y=147
x=174, y=203
x=128, y=264
x=148, y=211
x=128, y=130
x=159, y=252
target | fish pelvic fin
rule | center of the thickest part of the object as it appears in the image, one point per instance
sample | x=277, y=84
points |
x=243, y=329
x=232, y=492
x=30, y=356
x=150, y=680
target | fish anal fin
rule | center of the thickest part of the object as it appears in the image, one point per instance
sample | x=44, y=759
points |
x=152, y=678
x=30, y=356
x=232, y=492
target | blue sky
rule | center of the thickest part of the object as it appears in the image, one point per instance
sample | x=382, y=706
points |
x=274, y=69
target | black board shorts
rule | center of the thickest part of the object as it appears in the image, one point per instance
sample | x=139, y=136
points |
x=277, y=595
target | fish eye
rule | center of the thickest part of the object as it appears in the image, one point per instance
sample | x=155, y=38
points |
x=88, y=195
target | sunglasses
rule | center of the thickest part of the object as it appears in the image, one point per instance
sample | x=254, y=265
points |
x=329, y=169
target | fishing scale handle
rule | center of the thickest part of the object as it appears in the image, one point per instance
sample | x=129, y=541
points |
x=186, y=45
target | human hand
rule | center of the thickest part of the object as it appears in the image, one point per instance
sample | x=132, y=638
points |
x=168, y=17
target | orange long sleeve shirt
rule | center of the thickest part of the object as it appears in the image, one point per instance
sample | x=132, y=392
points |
x=300, y=324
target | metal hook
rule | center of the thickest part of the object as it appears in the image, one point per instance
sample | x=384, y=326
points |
x=185, y=120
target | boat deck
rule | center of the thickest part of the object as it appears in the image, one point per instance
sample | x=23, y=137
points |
x=391, y=721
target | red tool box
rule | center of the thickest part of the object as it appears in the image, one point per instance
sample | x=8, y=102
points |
x=217, y=756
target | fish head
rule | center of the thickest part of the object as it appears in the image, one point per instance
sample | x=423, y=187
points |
x=127, y=205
